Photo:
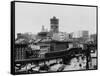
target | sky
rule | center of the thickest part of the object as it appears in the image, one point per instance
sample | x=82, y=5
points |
x=30, y=17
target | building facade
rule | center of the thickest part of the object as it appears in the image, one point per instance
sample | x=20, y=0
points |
x=54, y=25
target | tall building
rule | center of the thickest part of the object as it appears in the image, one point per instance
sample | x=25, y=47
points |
x=93, y=37
x=20, y=51
x=44, y=29
x=85, y=34
x=54, y=22
x=81, y=34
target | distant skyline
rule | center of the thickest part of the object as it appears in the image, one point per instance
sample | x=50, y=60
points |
x=30, y=17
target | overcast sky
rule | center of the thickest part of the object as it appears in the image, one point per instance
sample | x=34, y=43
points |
x=29, y=17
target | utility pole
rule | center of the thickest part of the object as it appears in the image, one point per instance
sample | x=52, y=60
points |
x=87, y=56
